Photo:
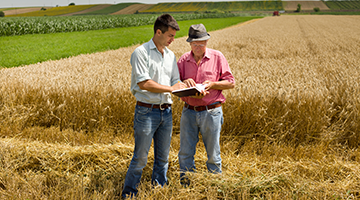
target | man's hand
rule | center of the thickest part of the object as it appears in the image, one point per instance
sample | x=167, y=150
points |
x=200, y=95
x=208, y=85
x=155, y=87
x=190, y=82
x=178, y=86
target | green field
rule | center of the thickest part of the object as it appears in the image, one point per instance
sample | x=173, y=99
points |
x=343, y=5
x=220, y=6
x=43, y=25
x=29, y=49
x=336, y=13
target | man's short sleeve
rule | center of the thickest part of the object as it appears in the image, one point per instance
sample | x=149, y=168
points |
x=139, y=63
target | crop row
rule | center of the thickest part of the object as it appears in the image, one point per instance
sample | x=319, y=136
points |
x=42, y=25
x=343, y=5
x=223, y=6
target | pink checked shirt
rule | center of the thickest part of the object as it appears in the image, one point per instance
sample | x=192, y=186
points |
x=213, y=67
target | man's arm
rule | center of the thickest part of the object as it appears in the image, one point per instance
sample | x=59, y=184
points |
x=155, y=87
x=219, y=85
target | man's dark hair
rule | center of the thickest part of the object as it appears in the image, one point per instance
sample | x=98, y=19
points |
x=165, y=21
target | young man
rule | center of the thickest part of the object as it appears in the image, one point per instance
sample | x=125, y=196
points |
x=154, y=76
x=202, y=113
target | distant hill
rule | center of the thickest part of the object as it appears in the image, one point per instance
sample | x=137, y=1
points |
x=55, y=11
x=133, y=9
x=230, y=6
x=111, y=9
x=92, y=9
x=343, y=5
x=220, y=6
x=16, y=11
x=305, y=5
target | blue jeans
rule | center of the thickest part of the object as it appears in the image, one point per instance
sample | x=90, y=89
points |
x=208, y=123
x=149, y=124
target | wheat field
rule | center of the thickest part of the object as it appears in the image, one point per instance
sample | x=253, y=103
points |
x=291, y=127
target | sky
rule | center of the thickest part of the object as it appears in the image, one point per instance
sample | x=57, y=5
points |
x=53, y=3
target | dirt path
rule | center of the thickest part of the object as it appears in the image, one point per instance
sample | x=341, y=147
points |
x=95, y=8
x=132, y=9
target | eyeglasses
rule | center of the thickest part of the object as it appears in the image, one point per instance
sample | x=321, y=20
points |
x=197, y=45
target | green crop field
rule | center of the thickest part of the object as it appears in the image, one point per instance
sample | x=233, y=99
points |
x=111, y=9
x=42, y=25
x=343, y=5
x=29, y=49
x=221, y=6
x=335, y=13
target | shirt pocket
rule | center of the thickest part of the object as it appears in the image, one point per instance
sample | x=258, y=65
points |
x=211, y=75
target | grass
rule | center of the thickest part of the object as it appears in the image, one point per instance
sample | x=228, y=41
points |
x=30, y=49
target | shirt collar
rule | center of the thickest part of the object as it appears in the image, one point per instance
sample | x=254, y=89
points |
x=206, y=55
x=153, y=46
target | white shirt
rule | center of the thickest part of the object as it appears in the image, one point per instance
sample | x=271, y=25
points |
x=148, y=63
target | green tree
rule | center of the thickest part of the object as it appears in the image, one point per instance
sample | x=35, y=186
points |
x=316, y=9
x=2, y=14
x=298, y=8
x=72, y=4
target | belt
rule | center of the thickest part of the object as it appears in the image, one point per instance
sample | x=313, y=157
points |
x=202, y=108
x=156, y=106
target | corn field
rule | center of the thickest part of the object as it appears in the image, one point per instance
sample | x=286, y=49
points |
x=43, y=25
x=291, y=127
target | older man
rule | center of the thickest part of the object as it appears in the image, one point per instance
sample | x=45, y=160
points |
x=202, y=113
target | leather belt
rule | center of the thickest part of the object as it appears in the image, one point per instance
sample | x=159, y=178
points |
x=202, y=108
x=156, y=106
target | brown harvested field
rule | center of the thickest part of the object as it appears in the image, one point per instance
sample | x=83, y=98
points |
x=305, y=5
x=132, y=9
x=94, y=8
x=22, y=10
x=291, y=124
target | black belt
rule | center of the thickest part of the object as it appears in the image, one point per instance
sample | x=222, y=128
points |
x=156, y=106
x=202, y=108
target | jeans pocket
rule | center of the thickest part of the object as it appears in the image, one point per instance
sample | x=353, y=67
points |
x=141, y=110
x=215, y=111
x=142, y=117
